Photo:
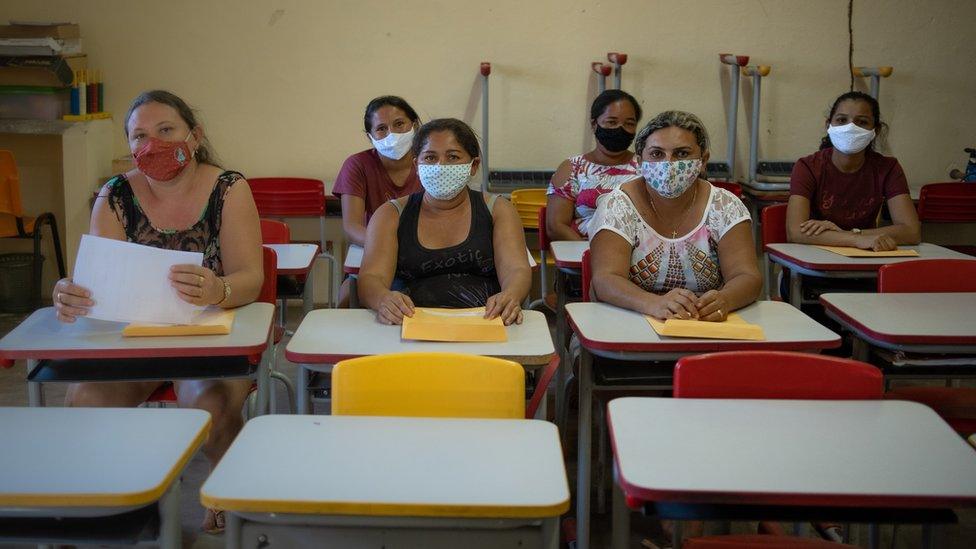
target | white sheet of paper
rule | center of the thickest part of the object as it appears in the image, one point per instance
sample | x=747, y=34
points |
x=130, y=282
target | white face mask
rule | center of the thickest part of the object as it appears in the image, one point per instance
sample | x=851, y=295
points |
x=850, y=138
x=444, y=181
x=671, y=179
x=394, y=145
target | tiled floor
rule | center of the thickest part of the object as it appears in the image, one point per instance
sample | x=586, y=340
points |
x=13, y=393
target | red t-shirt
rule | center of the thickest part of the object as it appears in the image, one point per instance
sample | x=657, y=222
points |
x=363, y=175
x=849, y=200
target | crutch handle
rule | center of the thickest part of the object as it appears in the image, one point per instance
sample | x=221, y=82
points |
x=752, y=70
x=617, y=58
x=883, y=72
x=485, y=68
x=732, y=59
x=601, y=69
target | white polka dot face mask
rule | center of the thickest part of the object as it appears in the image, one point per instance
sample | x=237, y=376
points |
x=444, y=181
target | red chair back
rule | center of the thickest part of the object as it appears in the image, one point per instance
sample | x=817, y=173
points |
x=773, y=222
x=586, y=273
x=274, y=232
x=269, y=288
x=730, y=186
x=288, y=196
x=928, y=275
x=947, y=203
x=776, y=375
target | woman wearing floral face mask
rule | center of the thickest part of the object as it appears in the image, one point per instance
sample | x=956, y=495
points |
x=670, y=244
x=179, y=199
x=580, y=180
x=836, y=194
x=449, y=245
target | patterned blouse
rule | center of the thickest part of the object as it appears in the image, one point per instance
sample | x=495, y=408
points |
x=203, y=236
x=588, y=181
x=659, y=264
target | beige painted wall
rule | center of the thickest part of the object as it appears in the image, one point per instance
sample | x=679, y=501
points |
x=282, y=84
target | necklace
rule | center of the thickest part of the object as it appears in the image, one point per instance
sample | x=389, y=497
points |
x=674, y=229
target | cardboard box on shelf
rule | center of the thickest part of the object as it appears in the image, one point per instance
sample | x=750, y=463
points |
x=40, y=71
x=61, y=31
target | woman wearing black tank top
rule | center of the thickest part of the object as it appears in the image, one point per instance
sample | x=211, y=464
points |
x=449, y=246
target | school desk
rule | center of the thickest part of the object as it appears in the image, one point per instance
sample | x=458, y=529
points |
x=360, y=481
x=297, y=260
x=611, y=332
x=791, y=460
x=568, y=257
x=95, y=475
x=95, y=350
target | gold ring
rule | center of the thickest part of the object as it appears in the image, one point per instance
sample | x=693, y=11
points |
x=720, y=312
x=201, y=280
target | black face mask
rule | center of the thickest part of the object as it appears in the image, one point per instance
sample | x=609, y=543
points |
x=613, y=139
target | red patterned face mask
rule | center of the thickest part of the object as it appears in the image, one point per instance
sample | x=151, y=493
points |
x=163, y=160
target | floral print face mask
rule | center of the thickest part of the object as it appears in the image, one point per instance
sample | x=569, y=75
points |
x=671, y=179
x=444, y=181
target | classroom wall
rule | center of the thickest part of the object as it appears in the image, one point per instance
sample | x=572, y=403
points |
x=281, y=84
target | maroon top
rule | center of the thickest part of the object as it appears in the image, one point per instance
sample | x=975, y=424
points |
x=849, y=200
x=363, y=175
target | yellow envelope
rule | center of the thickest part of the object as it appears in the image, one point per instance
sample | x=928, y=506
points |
x=209, y=322
x=857, y=252
x=732, y=328
x=428, y=324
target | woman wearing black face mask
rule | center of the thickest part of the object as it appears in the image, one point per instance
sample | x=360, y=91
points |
x=580, y=180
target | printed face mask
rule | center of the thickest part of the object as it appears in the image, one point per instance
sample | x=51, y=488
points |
x=163, y=160
x=671, y=179
x=444, y=181
x=850, y=138
x=395, y=145
x=613, y=139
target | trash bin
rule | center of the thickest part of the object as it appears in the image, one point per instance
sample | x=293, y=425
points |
x=16, y=271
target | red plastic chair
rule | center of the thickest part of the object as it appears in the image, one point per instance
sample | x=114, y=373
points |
x=268, y=294
x=956, y=405
x=773, y=224
x=949, y=203
x=275, y=232
x=773, y=375
x=730, y=186
x=282, y=197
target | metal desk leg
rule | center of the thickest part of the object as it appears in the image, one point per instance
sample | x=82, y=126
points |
x=796, y=289
x=620, y=521
x=35, y=393
x=550, y=533
x=264, y=378
x=308, y=295
x=565, y=366
x=170, y=530
x=302, y=402
x=232, y=530
x=860, y=350
x=583, y=451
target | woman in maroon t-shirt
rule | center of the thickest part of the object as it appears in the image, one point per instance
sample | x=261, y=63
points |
x=836, y=194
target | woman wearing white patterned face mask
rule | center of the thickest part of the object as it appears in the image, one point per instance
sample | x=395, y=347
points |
x=670, y=244
x=447, y=246
x=836, y=194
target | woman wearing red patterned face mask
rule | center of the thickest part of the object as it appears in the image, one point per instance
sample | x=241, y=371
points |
x=178, y=198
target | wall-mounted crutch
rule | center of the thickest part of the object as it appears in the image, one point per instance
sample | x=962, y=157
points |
x=735, y=61
x=876, y=74
x=485, y=71
x=602, y=72
x=757, y=72
x=618, y=60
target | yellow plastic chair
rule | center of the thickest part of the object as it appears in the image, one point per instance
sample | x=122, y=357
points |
x=14, y=224
x=429, y=385
x=527, y=203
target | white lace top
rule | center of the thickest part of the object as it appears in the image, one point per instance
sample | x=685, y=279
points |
x=659, y=264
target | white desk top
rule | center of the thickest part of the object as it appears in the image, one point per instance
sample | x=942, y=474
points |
x=915, y=319
x=294, y=258
x=603, y=327
x=569, y=253
x=392, y=466
x=327, y=336
x=93, y=457
x=354, y=258
x=41, y=336
x=790, y=452
x=817, y=259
